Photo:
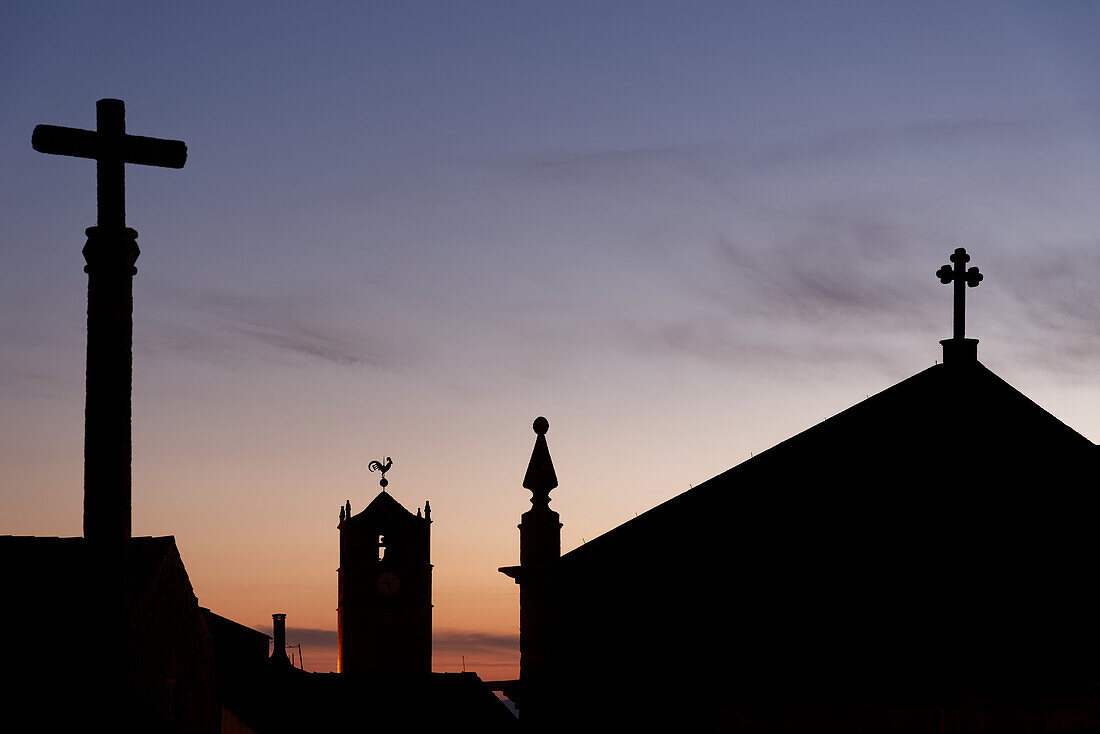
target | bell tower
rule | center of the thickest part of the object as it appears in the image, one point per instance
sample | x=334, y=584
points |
x=384, y=610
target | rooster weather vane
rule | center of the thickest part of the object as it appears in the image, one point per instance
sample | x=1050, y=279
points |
x=379, y=466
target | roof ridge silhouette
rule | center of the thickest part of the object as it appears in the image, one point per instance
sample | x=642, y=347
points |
x=919, y=392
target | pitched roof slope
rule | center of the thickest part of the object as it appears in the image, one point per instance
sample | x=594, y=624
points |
x=54, y=570
x=934, y=535
x=956, y=431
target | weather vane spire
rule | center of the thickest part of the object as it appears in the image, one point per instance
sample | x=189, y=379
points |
x=379, y=466
x=958, y=346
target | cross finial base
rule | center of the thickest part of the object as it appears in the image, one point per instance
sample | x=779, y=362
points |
x=956, y=351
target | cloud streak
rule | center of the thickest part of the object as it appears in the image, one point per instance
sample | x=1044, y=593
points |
x=443, y=641
x=490, y=654
x=281, y=323
x=849, y=283
x=482, y=643
x=856, y=141
x=278, y=327
x=309, y=637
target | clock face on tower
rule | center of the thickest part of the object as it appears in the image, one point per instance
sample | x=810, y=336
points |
x=388, y=583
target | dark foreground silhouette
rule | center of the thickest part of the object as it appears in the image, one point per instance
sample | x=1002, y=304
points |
x=105, y=633
x=921, y=562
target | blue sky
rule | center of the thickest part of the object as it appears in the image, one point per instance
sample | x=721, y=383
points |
x=683, y=231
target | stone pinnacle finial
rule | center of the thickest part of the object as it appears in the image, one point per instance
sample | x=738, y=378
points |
x=540, y=477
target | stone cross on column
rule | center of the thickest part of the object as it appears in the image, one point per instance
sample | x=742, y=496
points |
x=111, y=252
x=111, y=147
x=962, y=277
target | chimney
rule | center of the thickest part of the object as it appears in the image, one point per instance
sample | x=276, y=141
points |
x=278, y=650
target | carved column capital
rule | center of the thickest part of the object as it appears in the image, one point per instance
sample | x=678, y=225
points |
x=111, y=250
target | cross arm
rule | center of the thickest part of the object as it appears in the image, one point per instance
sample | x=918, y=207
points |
x=65, y=141
x=90, y=144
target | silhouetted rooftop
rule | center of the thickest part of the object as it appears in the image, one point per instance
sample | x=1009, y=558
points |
x=47, y=568
x=292, y=700
x=950, y=428
x=935, y=536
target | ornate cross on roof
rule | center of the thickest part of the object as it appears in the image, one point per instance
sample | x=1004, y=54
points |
x=958, y=346
x=960, y=275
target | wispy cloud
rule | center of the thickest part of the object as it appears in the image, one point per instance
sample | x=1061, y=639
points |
x=491, y=655
x=482, y=643
x=453, y=641
x=281, y=322
x=809, y=285
x=736, y=154
x=620, y=168
x=31, y=365
x=279, y=327
x=854, y=141
x=309, y=637
x=837, y=266
x=575, y=158
x=1049, y=309
x=836, y=286
x=837, y=281
x=718, y=341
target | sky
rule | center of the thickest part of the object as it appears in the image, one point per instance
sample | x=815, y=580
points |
x=682, y=231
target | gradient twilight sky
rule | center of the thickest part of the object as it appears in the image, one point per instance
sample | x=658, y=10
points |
x=682, y=231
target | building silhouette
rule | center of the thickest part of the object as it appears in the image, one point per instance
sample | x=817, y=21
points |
x=384, y=612
x=923, y=561
x=76, y=658
x=104, y=632
x=385, y=681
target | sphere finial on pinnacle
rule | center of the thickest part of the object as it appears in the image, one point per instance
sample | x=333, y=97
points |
x=540, y=477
